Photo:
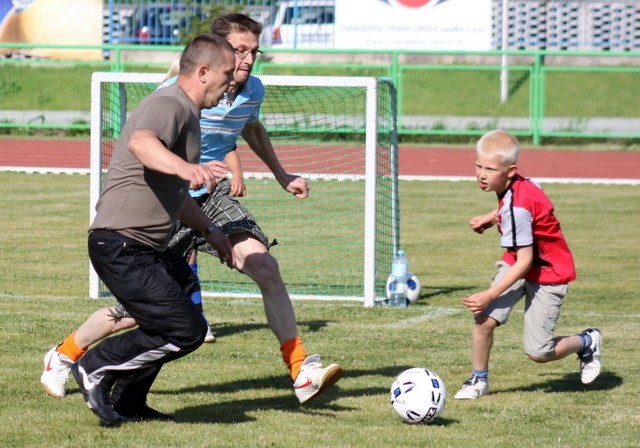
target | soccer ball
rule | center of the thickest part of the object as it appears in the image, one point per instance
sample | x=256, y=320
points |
x=414, y=288
x=418, y=395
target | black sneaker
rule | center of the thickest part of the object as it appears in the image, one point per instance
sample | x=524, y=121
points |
x=97, y=398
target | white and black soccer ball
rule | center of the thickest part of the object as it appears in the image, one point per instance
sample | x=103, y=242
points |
x=418, y=395
x=413, y=293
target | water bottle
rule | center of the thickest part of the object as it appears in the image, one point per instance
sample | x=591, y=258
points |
x=398, y=284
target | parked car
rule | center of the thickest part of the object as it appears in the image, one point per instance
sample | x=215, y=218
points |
x=159, y=23
x=304, y=24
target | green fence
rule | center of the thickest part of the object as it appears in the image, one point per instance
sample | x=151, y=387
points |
x=534, y=94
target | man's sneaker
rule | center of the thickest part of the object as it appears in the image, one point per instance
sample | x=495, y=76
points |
x=472, y=388
x=210, y=337
x=56, y=373
x=313, y=379
x=591, y=357
x=97, y=398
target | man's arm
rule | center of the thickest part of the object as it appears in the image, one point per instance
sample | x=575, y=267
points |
x=232, y=160
x=256, y=136
x=153, y=154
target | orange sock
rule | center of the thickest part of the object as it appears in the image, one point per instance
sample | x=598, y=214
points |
x=69, y=348
x=293, y=354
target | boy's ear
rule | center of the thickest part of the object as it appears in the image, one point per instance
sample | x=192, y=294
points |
x=513, y=169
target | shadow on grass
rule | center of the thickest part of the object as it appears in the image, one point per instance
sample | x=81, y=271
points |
x=569, y=383
x=434, y=291
x=222, y=329
x=237, y=411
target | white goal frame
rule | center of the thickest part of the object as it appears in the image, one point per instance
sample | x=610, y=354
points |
x=370, y=145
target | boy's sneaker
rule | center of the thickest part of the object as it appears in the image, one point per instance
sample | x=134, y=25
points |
x=591, y=357
x=56, y=373
x=313, y=379
x=472, y=388
x=210, y=337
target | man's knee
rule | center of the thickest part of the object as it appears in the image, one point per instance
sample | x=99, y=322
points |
x=193, y=336
x=263, y=265
x=123, y=324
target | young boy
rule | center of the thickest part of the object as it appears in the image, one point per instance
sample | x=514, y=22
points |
x=537, y=265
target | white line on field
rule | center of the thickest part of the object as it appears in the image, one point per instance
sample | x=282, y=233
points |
x=432, y=313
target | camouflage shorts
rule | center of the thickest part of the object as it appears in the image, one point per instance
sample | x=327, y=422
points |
x=225, y=212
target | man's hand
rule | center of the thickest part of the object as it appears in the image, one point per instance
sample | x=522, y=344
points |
x=208, y=174
x=222, y=244
x=297, y=186
x=238, y=188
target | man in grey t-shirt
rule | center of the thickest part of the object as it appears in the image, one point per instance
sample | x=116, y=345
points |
x=155, y=163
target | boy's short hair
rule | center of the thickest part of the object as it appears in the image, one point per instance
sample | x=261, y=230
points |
x=499, y=143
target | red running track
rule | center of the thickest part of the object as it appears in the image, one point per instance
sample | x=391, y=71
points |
x=414, y=161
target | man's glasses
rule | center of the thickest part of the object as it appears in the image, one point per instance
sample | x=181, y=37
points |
x=242, y=53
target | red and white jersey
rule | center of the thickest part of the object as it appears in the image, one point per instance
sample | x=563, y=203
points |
x=525, y=218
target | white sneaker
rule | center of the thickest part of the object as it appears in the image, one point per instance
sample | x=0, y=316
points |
x=313, y=379
x=56, y=372
x=591, y=357
x=210, y=337
x=472, y=388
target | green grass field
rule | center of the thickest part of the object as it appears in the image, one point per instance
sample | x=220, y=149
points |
x=236, y=392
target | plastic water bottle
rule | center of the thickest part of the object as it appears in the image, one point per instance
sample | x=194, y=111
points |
x=398, y=284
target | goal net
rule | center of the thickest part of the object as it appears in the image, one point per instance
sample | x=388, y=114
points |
x=340, y=134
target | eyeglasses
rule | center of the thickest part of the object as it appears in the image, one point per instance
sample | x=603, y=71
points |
x=242, y=53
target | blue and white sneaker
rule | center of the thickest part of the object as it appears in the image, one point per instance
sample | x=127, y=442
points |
x=472, y=388
x=591, y=357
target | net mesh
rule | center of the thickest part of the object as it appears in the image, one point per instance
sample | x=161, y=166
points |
x=317, y=132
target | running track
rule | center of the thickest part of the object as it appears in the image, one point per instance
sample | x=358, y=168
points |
x=415, y=163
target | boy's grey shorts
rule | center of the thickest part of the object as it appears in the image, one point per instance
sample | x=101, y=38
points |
x=225, y=212
x=541, y=310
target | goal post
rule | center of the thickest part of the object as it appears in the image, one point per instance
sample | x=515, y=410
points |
x=340, y=134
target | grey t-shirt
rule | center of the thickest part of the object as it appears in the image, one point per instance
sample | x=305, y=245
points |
x=138, y=202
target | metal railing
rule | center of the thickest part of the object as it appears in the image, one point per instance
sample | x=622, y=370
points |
x=555, y=94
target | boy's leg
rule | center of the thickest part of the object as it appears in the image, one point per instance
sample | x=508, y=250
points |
x=497, y=313
x=541, y=315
